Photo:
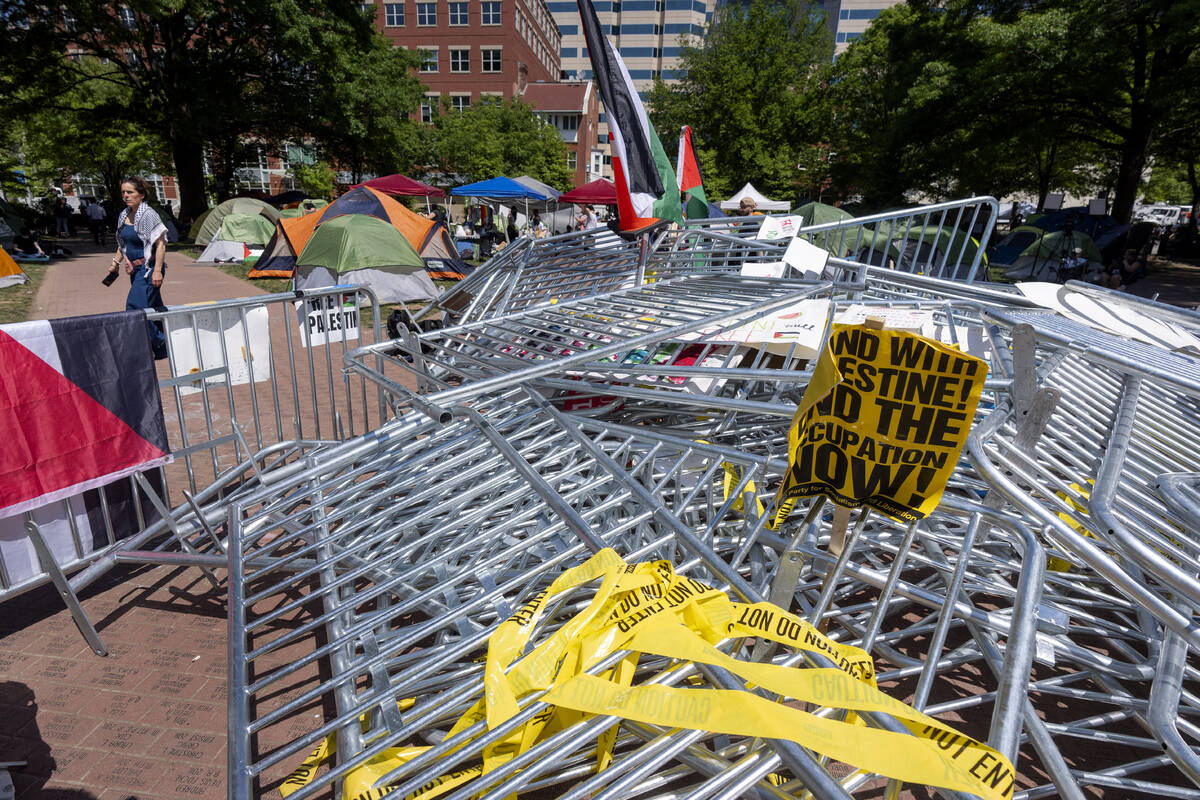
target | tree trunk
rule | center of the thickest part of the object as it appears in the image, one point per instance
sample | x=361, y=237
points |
x=189, y=172
x=1129, y=173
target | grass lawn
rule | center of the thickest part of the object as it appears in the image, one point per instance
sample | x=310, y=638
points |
x=15, y=301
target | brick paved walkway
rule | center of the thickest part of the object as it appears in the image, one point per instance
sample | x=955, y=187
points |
x=149, y=720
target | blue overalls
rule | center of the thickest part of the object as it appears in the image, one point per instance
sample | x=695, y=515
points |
x=143, y=293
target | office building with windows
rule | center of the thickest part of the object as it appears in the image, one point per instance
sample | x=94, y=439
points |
x=848, y=19
x=473, y=49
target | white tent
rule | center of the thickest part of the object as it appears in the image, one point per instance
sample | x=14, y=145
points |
x=763, y=203
x=220, y=251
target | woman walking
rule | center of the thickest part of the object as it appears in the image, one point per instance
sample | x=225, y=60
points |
x=142, y=250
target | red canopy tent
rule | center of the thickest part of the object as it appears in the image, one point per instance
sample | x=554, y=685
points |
x=400, y=185
x=600, y=192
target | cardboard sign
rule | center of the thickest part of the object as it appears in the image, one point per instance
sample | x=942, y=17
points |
x=796, y=329
x=326, y=319
x=883, y=421
x=221, y=340
x=806, y=258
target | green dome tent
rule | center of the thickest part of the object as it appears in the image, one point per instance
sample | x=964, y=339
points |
x=363, y=250
x=209, y=225
x=1041, y=259
x=246, y=228
x=841, y=242
x=925, y=249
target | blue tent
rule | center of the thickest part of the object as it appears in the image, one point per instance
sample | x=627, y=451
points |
x=499, y=189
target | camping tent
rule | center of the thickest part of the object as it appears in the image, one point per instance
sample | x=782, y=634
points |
x=1009, y=249
x=600, y=192
x=925, y=248
x=364, y=250
x=246, y=228
x=209, y=225
x=1040, y=260
x=763, y=203
x=431, y=241
x=10, y=271
x=815, y=213
x=401, y=186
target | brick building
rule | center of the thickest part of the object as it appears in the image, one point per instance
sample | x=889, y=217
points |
x=474, y=48
x=573, y=108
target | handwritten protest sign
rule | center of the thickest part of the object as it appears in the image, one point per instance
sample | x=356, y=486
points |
x=883, y=421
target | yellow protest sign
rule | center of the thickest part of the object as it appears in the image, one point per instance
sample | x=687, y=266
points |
x=883, y=421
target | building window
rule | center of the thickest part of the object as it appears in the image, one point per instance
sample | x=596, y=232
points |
x=572, y=160
x=427, y=106
x=491, y=59
x=568, y=122
x=460, y=103
x=458, y=13
x=429, y=61
x=393, y=15
x=460, y=60
x=427, y=13
x=490, y=12
x=126, y=17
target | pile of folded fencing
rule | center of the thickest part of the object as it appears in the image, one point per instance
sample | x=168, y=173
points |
x=560, y=570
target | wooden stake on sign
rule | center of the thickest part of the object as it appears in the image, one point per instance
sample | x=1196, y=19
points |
x=841, y=514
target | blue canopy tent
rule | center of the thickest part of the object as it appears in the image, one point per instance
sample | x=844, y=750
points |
x=501, y=190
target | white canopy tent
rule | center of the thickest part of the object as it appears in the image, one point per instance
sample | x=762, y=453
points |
x=762, y=202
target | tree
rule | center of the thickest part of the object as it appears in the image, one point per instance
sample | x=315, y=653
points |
x=752, y=92
x=1049, y=92
x=498, y=138
x=200, y=72
x=93, y=133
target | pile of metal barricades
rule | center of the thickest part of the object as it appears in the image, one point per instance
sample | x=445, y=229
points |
x=588, y=393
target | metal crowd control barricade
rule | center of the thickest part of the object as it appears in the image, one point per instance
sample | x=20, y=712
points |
x=941, y=240
x=1093, y=458
x=240, y=378
x=539, y=271
x=462, y=361
x=392, y=558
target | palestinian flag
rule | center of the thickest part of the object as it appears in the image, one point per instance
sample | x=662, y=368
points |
x=691, y=187
x=646, y=187
x=79, y=407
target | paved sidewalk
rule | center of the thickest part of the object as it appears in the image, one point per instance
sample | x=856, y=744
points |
x=72, y=285
x=149, y=720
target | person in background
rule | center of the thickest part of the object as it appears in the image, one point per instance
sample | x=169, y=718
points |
x=510, y=230
x=62, y=217
x=586, y=219
x=27, y=243
x=95, y=217
x=536, y=226
x=142, y=251
x=749, y=208
x=1126, y=272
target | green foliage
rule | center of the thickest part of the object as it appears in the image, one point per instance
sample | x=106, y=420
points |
x=498, y=138
x=362, y=120
x=90, y=133
x=1168, y=184
x=753, y=95
x=946, y=100
x=317, y=180
x=212, y=73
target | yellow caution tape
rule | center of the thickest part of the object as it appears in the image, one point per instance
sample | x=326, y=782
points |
x=1061, y=564
x=647, y=608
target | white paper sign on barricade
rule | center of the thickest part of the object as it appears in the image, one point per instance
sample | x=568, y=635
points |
x=774, y=229
x=764, y=269
x=806, y=258
x=327, y=319
x=796, y=329
x=244, y=348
